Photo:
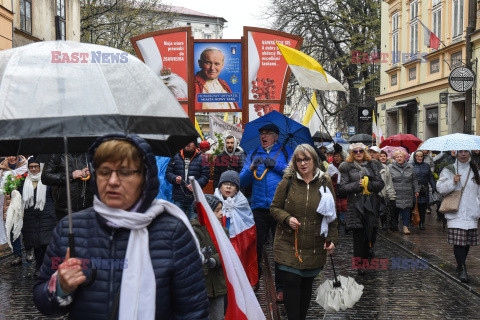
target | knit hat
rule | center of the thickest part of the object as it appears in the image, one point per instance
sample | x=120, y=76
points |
x=32, y=159
x=354, y=146
x=212, y=201
x=230, y=176
x=270, y=127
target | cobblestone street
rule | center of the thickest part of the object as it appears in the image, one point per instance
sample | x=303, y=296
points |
x=388, y=294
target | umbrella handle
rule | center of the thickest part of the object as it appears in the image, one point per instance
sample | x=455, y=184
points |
x=261, y=177
x=336, y=283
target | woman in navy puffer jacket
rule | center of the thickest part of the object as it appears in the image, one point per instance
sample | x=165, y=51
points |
x=145, y=260
x=424, y=177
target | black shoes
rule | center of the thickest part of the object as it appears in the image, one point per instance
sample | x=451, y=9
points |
x=422, y=226
x=462, y=273
x=361, y=272
x=16, y=261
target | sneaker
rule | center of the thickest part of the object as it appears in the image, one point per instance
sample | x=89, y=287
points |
x=405, y=230
x=30, y=257
x=16, y=261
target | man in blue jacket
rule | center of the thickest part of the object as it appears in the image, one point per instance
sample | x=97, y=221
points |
x=271, y=156
x=186, y=163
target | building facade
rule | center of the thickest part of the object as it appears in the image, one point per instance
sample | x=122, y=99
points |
x=27, y=21
x=204, y=26
x=413, y=76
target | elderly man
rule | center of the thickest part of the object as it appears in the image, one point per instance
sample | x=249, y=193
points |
x=211, y=63
x=271, y=156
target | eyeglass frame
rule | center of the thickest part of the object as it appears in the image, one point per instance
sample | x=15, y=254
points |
x=267, y=133
x=358, y=151
x=305, y=160
x=130, y=178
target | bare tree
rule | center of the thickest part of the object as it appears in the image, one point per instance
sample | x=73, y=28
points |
x=114, y=22
x=333, y=30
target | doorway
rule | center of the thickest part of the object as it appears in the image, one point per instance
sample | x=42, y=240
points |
x=457, y=116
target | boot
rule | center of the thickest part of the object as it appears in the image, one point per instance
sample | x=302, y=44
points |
x=16, y=261
x=462, y=273
x=422, y=226
x=405, y=230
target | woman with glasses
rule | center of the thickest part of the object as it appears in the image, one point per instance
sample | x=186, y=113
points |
x=299, y=246
x=463, y=223
x=406, y=189
x=354, y=172
x=144, y=251
x=238, y=219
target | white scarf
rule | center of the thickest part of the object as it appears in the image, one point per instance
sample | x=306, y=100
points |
x=332, y=170
x=29, y=191
x=326, y=207
x=138, y=288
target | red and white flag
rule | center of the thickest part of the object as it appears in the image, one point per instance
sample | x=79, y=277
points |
x=429, y=38
x=242, y=303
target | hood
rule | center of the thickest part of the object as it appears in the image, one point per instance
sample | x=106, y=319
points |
x=235, y=145
x=152, y=183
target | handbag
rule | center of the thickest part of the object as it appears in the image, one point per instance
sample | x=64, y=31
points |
x=416, y=214
x=451, y=202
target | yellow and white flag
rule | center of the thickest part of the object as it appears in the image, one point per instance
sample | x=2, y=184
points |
x=311, y=120
x=308, y=71
x=197, y=126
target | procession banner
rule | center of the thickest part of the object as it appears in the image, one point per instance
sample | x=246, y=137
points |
x=217, y=125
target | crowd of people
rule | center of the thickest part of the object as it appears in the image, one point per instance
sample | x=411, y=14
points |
x=295, y=199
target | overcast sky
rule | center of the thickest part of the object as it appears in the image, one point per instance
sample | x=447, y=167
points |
x=238, y=13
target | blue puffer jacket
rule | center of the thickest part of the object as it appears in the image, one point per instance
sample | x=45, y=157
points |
x=176, y=167
x=177, y=265
x=264, y=190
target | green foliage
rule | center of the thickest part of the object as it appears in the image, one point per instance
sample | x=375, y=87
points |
x=12, y=183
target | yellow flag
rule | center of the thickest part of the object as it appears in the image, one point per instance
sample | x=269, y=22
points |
x=310, y=110
x=225, y=117
x=197, y=126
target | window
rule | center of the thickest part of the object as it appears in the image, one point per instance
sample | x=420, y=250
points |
x=395, y=36
x=413, y=28
x=60, y=24
x=188, y=23
x=208, y=36
x=207, y=26
x=393, y=80
x=434, y=66
x=412, y=73
x=26, y=15
x=456, y=59
x=457, y=9
x=437, y=18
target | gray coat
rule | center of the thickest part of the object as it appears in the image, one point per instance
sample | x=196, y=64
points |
x=349, y=187
x=405, y=184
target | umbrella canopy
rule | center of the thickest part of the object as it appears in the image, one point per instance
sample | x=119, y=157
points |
x=391, y=150
x=339, y=140
x=291, y=134
x=361, y=137
x=322, y=137
x=44, y=98
x=333, y=298
x=450, y=142
x=409, y=141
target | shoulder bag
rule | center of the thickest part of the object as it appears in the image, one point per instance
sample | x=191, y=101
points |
x=451, y=202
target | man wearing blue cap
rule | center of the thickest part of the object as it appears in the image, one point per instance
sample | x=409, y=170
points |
x=273, y=157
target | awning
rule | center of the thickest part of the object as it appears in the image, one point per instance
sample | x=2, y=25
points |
x=403, y=104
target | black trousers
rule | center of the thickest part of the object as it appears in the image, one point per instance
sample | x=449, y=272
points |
x=361, y=246
x=265, y=224
x=461, y=253
x=39, y=255
x=297, y=292
x=422, y=209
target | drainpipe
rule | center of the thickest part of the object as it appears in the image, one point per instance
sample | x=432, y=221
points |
x=472, y=18
x=13, y=26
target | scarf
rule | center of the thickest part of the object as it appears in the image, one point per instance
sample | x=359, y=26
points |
x=29, y=192
x=327, y=209
x=138, y=287
x=333, y=170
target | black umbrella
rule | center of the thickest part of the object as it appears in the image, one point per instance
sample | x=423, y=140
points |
x=48, y=107
x=361, y=137
x=368, y=207
x=322, y=137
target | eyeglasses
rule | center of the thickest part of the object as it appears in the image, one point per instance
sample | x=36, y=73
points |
x=266, y=133
x=229, y=184
x=34, y=167
x=122, y=174
x=358, y=151
x=304, y=160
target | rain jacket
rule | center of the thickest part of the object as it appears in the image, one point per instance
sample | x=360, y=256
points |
x=350, y=187
x=301, y=201
x=53, y=174
x=424, y=177
x=469, y=210
x=264, y=190
x=176, y=167
x=405, y=184
x=225, y=161
x=165, y=191
x=388, y=192
x=180, y=285
x=214, y=277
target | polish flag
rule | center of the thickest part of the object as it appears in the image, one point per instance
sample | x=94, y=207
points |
x=242, y=303
x=429, y=38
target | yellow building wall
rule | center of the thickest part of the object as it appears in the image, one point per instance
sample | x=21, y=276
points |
x=6, y=25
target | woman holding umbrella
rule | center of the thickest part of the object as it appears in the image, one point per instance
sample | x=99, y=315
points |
x=406, y=187
x=144, y=251
x=462, y=224
x=424, y=177
x=357, y=171
x=302, y=226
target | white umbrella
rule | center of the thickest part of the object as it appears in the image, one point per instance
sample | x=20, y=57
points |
x=338, y=294
x=450, y=142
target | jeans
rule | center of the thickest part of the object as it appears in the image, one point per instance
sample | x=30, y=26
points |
x=405, y=214
x=187, y=207
x=17, y=245
x=264, y=223
x=297, y=292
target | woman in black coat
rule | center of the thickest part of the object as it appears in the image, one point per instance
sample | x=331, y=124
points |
x=39, y=218
x=424, y=178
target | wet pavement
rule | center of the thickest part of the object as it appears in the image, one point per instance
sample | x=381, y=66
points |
x=388, y=294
